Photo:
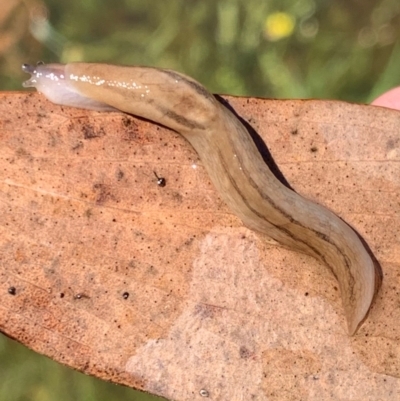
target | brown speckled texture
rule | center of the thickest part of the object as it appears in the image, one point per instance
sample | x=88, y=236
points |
x=212, y=308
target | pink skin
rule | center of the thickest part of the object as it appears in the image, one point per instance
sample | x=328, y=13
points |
x=390, y=99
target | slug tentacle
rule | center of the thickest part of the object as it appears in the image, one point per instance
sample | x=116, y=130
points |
x=231, y=159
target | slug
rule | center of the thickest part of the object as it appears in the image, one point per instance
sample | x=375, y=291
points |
x=232, y=160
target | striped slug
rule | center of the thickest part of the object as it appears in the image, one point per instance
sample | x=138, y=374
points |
x=231, y=159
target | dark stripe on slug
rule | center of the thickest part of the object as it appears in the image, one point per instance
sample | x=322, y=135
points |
x=318, y=234
x=289, y=217
x=200, y=89
x=178, y=118
x=292, y=220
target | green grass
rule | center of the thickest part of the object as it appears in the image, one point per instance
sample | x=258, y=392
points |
x=27, y=376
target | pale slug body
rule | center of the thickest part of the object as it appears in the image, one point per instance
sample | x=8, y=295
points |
x=232, y=160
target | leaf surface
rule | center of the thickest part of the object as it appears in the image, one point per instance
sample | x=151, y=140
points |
x=162, y=288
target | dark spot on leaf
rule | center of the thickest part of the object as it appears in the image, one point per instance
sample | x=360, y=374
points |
x=120, y=175
x=244, y=352
x=89, y=132
x=12, y=290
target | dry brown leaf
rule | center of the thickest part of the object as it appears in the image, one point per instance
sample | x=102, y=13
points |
x=162, y=288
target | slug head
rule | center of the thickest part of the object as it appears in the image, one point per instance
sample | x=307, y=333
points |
x=54, y=82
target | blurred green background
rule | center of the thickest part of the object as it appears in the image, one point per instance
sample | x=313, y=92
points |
x=338, y=49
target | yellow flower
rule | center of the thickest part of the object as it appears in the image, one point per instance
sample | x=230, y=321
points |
x=279, y=25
